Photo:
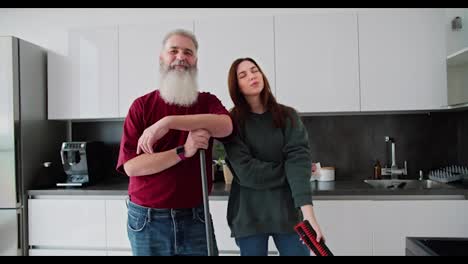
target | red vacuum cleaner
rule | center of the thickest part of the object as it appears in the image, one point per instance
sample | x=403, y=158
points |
x=308, y=235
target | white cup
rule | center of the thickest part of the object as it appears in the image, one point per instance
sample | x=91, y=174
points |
x=327, y=174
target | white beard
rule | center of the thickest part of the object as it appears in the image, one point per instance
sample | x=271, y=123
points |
x=178, y=87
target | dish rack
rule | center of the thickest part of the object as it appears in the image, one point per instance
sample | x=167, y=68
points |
x=449, y=174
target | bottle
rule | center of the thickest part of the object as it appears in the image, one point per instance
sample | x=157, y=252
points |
x=377, y=170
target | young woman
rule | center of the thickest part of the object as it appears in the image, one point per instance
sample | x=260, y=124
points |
x=270, y=157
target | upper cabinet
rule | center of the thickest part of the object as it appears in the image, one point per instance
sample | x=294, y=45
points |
x=224, y=39
x=372, y=60
x=457, y=38
x=457, y=57
x=139, y=48
x=61, y=102
x=402, y=59
x=317, y=62
x=84, y=84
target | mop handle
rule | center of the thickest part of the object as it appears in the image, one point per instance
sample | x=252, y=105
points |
x=209, y=231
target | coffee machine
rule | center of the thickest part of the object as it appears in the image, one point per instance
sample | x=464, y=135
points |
x=82, y=162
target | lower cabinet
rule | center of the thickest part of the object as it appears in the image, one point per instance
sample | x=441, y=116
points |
x=78, y=225
x=393, y=221
x=119, y=252
x=67, y=222
x=346, y=226
x=116, y=225
x=66, y=252
x=96, y=225
x=226, y=244
x=77, y=252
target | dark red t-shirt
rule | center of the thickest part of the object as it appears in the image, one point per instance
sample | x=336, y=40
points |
x=180, y=185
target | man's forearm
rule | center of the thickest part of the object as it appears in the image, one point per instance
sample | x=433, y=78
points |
x=147, y=164
x=218, y=125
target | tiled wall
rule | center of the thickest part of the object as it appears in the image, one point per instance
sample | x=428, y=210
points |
x=351, y=143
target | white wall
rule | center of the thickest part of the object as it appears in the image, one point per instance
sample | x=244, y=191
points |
x=48, y=27
x=456, y=40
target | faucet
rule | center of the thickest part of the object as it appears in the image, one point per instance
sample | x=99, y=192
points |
x=394, y=171
x=421, y=175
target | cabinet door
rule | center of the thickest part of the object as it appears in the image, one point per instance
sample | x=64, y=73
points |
x=226, y=243
x=66, y=252
x=94, y=59
x=119, y=253
x=396, y=220
x=62, y=98
x=116, y=225
x=457, y=84
x=139, y=48
x=317, y=62
x=456, y=39
x=223, y=40
x=402, y=59
x=67, y=223
x=346, y=226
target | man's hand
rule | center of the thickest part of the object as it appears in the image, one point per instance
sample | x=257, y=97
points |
x=151, y=135
x=197, y=139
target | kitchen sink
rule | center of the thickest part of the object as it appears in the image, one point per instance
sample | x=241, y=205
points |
x=395, y=184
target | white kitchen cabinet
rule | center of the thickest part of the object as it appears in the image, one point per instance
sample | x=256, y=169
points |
x=116, y=224
x=393, y=221
x=456, y=39
x=317, y=62
x=457, y=58
x=94, y=55
x=402, y=58
x=62, y=100
x=457, y=83
x=84, y=83
x=67, y=222
x=139, y=49
x=119, y=253
x=224, y=39
x=346, y=226
x=66, y=252
x=227, y=244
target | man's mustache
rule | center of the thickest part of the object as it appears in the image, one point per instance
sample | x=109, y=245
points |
x=182, y=63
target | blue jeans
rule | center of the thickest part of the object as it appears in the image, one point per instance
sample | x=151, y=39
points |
x=287, y=245
x=167, y=232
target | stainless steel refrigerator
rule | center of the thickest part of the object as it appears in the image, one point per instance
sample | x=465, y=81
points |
x=27, y=138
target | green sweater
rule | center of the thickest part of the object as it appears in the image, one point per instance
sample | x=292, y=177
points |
x=272, y=168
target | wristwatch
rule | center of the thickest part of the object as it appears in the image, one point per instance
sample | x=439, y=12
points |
x=180, y=150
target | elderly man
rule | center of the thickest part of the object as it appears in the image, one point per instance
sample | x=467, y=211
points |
x=161, y=135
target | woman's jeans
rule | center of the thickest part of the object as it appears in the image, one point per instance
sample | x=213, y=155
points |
x=287, y=245
x=167, y=232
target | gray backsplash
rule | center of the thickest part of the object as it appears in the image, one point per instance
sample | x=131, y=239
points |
x=350, y=143
x=110, y=132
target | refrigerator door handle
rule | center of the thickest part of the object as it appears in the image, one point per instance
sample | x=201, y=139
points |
x=19, y=234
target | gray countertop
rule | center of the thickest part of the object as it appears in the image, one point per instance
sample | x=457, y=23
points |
x=336, y=190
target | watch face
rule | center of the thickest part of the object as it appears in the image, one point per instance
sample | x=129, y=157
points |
x=180, y=150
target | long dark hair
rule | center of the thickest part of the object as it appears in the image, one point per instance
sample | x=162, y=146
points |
x=242, y=108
